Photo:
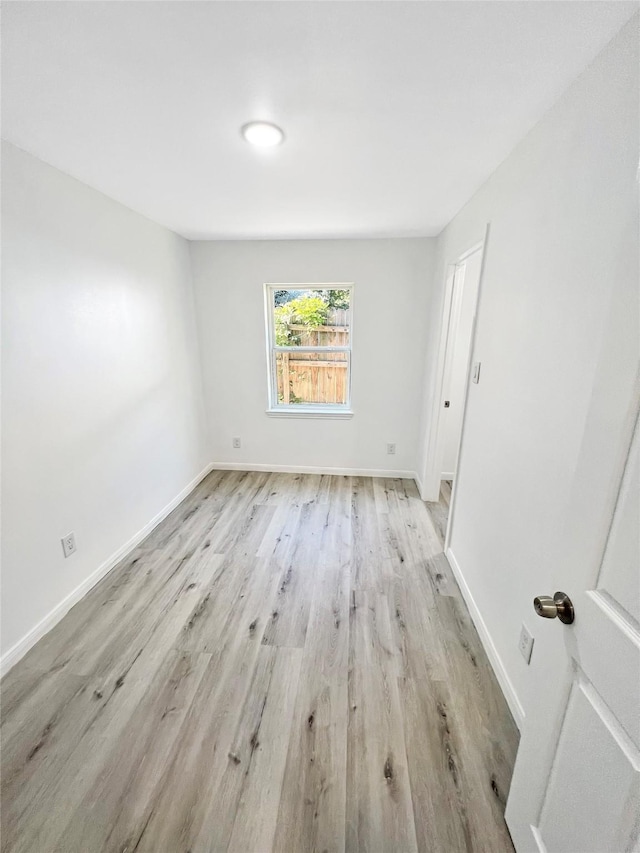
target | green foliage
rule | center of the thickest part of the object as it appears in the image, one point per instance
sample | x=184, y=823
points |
x=336, y=298
x=309, y=311
x=293, y=398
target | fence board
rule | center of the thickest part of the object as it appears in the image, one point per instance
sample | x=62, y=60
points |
x=316, y=377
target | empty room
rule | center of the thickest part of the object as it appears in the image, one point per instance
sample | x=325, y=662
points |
x=320, y=446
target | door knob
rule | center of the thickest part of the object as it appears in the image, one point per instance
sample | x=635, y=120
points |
x=560, y=605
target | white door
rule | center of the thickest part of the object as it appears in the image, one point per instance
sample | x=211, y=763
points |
x=460, y=339
x=465, y=272
x=576, y=783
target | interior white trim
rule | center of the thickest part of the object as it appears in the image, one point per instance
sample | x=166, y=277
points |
x=475, y=248
x=19, y=649
x=537, y=838
x=467, y=391
x=433, y=472
x=274, y=407
x=492, y=653
x=431, y=486
x=308, y=469
x=326, y=414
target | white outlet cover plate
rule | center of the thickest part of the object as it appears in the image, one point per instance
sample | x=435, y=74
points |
x=525, y=644
x=68, y=544
x=391, y=449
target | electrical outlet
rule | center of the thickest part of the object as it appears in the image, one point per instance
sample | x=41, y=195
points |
x=69, y=544
x=236, y=443
x=526, y=644
x=391, y=449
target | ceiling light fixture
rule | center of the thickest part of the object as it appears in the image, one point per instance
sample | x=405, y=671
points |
x=262, y=133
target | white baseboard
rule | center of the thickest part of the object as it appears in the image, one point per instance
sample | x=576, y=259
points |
x=17, y=651
x=492, y=653
x=307, y=469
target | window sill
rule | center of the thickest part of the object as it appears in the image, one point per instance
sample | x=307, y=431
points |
x=301, y=412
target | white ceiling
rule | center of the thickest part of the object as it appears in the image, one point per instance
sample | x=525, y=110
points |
x=394, y=112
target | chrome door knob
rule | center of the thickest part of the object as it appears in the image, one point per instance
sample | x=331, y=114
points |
x=560, y=605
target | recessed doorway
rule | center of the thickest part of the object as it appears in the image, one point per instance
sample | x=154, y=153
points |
x=455, y=370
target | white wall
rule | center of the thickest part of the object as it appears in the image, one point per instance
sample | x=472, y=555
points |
x=563, y=213
x=392, y=288
x=102, y=414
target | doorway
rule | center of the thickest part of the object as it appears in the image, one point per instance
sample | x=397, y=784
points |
x=454, y=373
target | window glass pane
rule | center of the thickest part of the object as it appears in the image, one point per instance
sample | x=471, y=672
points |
x=311, y=318
x=312, y=377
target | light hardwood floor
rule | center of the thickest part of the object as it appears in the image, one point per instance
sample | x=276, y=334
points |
x=285, y=664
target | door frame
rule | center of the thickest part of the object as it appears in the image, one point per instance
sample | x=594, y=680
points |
x=430, y=490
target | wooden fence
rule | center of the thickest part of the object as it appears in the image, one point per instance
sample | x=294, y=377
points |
x=309, y=377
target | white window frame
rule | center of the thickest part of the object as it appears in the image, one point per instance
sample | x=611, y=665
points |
x=310, y=410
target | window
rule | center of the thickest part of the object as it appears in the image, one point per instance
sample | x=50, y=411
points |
x=309, y=348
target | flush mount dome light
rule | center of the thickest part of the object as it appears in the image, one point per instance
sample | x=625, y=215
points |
x=262, y=133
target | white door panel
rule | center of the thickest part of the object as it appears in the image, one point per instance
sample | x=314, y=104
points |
x=607, y=636
x=608, y=768
x=620, y=574
x=608, y=646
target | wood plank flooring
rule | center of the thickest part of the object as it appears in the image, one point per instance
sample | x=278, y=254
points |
x=285, y=664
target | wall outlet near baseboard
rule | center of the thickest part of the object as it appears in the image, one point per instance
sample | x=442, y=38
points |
x=236, y=443
x=69, y=544
x=391, y=449
x=525, y=644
